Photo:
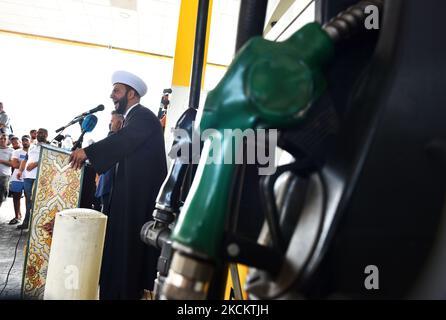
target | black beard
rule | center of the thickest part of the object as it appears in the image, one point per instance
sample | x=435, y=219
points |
x=122, y=104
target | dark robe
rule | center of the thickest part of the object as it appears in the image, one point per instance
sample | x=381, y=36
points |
x=137, y=150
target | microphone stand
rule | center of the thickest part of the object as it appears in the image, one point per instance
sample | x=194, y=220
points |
x=78, y=143
x=75, y=120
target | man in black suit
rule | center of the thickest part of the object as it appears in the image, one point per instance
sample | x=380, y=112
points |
x=137, y=154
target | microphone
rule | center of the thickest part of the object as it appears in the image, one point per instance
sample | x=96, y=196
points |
x=90, y=122
x=98, y=108
x=87, y=125
x=81, y=117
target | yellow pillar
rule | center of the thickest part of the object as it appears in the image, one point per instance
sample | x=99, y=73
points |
x=235, y=284
x=182, y=67
x=182, y=71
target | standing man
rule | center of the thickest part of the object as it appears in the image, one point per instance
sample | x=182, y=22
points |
x=28, y=172
x=16, y=186
x=15, y=143
x=5, y=127
x=5, y=167
x=106, y=179
x=33, y=134
x=137, y=153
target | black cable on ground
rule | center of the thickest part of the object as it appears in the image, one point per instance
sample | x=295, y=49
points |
x=12, y=265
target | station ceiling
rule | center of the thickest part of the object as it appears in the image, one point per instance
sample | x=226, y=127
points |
x=142, y=25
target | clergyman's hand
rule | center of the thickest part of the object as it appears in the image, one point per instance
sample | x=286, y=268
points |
x=77, y=158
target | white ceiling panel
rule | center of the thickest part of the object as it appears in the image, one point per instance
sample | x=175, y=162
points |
x=16, y=9
x=143, y=25
x=48, y=4
x=25, y=21
x=102, y=26
x=20, y=2
x=49, y=14
x=125, y=4
x=96, y=10
x=72, y=6
x=98, y=2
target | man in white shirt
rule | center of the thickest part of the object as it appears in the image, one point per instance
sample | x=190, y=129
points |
x=16, y=185
x=5, y=167
x=29, y=167
x=15, y=143
x=33, y=135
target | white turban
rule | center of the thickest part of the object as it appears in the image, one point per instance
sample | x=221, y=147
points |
x=131, y=80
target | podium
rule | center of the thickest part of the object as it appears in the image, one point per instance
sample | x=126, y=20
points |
x=56, y=188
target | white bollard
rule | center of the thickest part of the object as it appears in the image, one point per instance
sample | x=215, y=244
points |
x=76, y=253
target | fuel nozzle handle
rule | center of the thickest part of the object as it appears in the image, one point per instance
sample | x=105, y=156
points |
x=169, y=197
x=157, y=231
x=268, y=85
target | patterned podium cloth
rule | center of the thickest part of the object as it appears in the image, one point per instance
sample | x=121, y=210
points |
x=56, y=188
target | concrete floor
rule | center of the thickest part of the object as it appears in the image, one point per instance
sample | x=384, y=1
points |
x=9, y=238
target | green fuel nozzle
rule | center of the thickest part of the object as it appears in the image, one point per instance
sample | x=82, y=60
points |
x=268, y=85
